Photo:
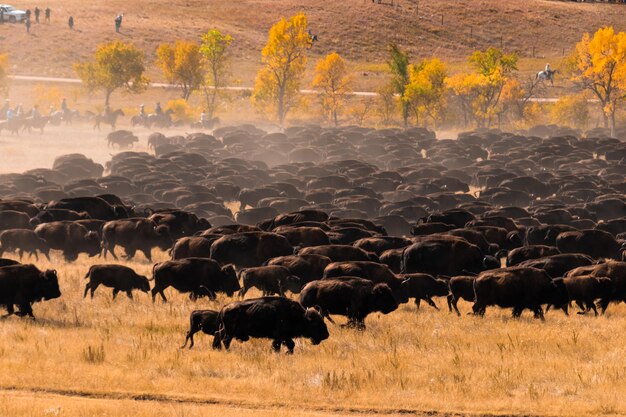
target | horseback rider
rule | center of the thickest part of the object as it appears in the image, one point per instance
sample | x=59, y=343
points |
x=35, y=112
x=19, y=110
x=203, y=117
x=64, y=105
x=9, y=115
x=548, y=70
x=158, y=109
x=142, y=111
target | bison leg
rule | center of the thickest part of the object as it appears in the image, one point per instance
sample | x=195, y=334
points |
x=454, y=305
x=580, y=305
x=25, y=310
x=417, y=303
x=290, y=344
x=431, y=303
x=130, y=253
x=10, y=310
x=243, y=291
x=129, y=294
x=87, y=289
x=47, y=254
x=226, y=340
x=147, y=253
x=20, y=253
x=156, y=291
x=36, y=255
x=538, y=313
x=592, y=306
x=479, y=309
x=276, y=345
x=603, y=304
x=93, y=288
x=115, y=291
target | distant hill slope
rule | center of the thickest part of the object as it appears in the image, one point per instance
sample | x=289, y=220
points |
x=357, y=29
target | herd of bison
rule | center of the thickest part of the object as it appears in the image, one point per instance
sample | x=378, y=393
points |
x=351, y=220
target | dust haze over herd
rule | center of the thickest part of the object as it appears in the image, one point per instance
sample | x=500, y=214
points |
x=285, y=216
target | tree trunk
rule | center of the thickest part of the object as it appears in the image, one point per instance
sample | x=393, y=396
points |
x=613, y=123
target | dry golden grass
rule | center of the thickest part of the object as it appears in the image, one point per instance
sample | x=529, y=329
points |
x=84, y=357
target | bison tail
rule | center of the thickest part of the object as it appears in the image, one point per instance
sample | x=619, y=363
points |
x=153, y=268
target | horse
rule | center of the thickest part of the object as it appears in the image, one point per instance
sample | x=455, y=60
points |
x=207, y=124
x=107, y=119
x=546, y=75
x=138, y=120
x=159, y=120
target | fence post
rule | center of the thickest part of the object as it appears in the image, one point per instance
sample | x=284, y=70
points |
x=441, y=20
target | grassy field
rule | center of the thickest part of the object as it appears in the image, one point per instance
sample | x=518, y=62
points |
x=83, y=357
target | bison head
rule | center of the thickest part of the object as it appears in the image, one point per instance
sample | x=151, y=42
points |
x=49, y=285
x=92, y=245
x=490, y=262
x=558, y=296
x=142, y=284
x=291, y=283
x=315, y=329
x=230, y=283
x=164, y=238
x=382, y=299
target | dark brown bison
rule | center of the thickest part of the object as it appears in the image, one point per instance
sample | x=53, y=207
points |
x=96, y=207
x=249, y=249
x=23, y=285
x=353, y=297
x=424, y=287
x=372, y=271
x=192, y=247
x=558, y=265
x=592, y=242
x=197, y=276
x=134, y=235
x=180, y=223
x=276, y=318
x=380, y=244
x=519, y=255
x=461, y=288
x=586, y=289
x=201, y=320
x=306, y=267
x=8, y=262
x=57, y=215
x=11, y=219
x=303, y=236
x=23, y=240
x=518, y=288
x=450, y=256
x=70, y=238
x=118, y=277
x=616, y=271
x=272, y=279
x=340, y=253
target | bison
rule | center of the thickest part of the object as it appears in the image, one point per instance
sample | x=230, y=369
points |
x=23, y=240
x=119, y=277
x=249, y=249
x=70, y=238
x=424, y=287
x=205, y=320
x=23, y=285
x=353, y=297
x=270, y=280
x=197, y=276
x=520, y=288
x=134, y=235
x=276, y=318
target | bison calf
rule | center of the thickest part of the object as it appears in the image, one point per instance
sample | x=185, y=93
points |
x=461, y=288
x=118, y=277
x=270, y=280
x=23, y=240
x=424, y=287
x=586, y=289
x=205, y=320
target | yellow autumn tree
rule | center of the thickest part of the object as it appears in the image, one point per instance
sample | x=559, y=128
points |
x=482, y=89
x=4, y=73
x=277, y=85
x=425, y=92
x=335, y=83
x=182, y=64
x=598, y=64
x=116, y=65
x=571, y=110
x=466, y=90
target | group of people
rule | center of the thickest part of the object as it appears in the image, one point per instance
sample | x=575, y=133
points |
x=9, y=113
x=28, y=14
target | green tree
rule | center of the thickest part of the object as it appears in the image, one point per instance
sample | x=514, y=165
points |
x=277, y=86
x=215, y=49
x=182, y=64
x=116, y=65
x=399, y=67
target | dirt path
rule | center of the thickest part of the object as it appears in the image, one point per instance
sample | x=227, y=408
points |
x=230, y=406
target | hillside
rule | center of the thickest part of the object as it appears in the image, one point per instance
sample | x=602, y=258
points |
x=357, y=29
